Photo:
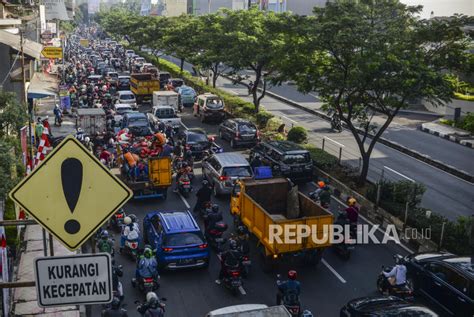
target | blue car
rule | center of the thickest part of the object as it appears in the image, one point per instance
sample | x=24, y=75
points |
x=177, y=238
x=187, y=96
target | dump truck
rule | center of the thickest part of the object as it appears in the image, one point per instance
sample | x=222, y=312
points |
x=153, y=185
x=272, y=209
x=143, y=85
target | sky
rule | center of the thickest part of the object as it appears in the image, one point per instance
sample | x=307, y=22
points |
x=443, y=7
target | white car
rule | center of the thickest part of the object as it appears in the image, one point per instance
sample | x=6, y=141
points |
x=129, y=53
x=126, y=97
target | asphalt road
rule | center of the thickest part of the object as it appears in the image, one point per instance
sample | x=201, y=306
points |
x=445, y=193
x=193, y=293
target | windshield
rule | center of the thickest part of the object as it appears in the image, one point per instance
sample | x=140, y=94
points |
x=138, y=122
x=165, y=113
x=296, y=158
x=187, y=91
x=123, y=110
x=182, y=239
x=197, y=137
x=113, y=75
x=237, y=171
x=214, y=103
x=247, y=128
x=127, y=97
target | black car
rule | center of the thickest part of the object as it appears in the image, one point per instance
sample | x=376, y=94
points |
x=239, y=132
x=287, y=159
x=164, y=76
x=137, y=123
x=195, y=140
x=123, y=82
x=445, y=279
x=384, y=306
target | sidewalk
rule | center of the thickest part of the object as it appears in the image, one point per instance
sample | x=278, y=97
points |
x=24, y=299
x=449, y=133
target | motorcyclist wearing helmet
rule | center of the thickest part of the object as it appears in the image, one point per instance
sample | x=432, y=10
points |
x=325, y=197
x=117, y=271
x=129, y=230
x=178, y=149
x=115, y=310
x=352, y=210
x=242, y=239
x=106, y=244
x=153, y=306
x=289, y=290
x=147, y=265
x=188, y=157
x=203, y=195
x=184, y=169
x=213, y=217
x=397, y=277
x=229, y=258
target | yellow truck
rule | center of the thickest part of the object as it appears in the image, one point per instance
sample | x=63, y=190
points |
x=143, y=85
x=153, y=185
x=268, y=211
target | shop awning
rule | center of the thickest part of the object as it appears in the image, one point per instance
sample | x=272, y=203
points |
x=30, y=48
x=42, y=86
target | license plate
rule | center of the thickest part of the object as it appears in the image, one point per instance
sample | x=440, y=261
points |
x=186, y=186
x=219, y=240
x=246, y=262
x=187, y=261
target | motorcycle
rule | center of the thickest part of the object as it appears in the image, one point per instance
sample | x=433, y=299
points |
x=404, y=291
x=155, y=311
x=291, y=303
x=116, y=221
x=336, y=122
x=117, y=270
x=147, y=284
x=215, y=234
x=206, y=206
x=131, y=247
x=233, y=279
x=343, y=248
x=184, y=186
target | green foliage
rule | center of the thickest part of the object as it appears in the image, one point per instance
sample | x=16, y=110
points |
x=262, y=118
x=10, y=231
x=273, y=124
x=298, y=135
x=464, y=97
x=12, y=114
x=466, y=122
x=322, y=159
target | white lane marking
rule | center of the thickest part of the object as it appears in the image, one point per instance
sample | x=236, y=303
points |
x=184, y=126
x=399, y=174
x=242, y=291
x=289, y=119
x=184, y=200
x=333, y=271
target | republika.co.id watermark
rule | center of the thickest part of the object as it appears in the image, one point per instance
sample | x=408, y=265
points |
x=335, y=233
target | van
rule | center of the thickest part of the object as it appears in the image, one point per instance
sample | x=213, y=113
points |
x=222, y=169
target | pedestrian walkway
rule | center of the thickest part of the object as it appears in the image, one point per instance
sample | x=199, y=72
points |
x=450, y=133
x=24, y=301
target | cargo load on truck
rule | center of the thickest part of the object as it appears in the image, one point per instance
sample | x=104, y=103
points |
x=143, y=85
x=144, y=164
x=265, y=206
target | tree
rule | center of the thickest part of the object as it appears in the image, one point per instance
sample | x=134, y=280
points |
x=12, y=114
x=371, y=57
x=209, y=42
x=250, y=43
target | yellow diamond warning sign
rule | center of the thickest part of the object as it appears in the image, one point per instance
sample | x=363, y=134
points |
x=71, y=194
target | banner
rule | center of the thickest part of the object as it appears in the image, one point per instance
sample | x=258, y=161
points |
x=65, y=99
x=55, y=9
x=24, y=144
x=93, y=6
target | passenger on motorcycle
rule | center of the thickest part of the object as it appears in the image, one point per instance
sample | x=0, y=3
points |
x=229, y=259
x=242, y=239
x=183, y=169
x=213, y=217
x=325, y=196
x=397, y=277
x=289, y=290
x=203, y=195
x=106, y=244
x=352, y=211
x=147, y=265
x=115, y=310
x=129, y=231
x=152, y=306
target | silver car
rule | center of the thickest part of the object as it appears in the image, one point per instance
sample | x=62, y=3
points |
x=222, y=169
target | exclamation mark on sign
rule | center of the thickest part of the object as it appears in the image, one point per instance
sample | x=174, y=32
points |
x=71, y=177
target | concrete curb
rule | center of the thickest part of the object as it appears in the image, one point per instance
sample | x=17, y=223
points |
x=424, y=158
x=449, y=137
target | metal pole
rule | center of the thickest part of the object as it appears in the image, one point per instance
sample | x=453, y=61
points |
x=324, y=141
x=209, y=6
x=17, y=284
x=442, y=236
x=24, y=97
x=340, y=155
x=45, y=244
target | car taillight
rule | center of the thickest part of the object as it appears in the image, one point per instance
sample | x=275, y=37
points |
x=237, y=135
x=119, y=215
x=203, y=246
x=246, y=258
x=188, y=147
x=223, y=178
x=235, y=273
x=167, y=249
x=148, y=280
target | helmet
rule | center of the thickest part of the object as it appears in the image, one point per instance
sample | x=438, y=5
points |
x=205, y=183
x=184, y=164
x=151, y=297
x=148, y=253
x=215, y=208
x=292, y=275
x=104, y=234
x=87, y=139
x=233, y=244
x=115, y=303
x=351, y=201
x=127, y=220
x=241, y=230
x=189, y=153
x=133, y=217
x=178, y=143
x=321, y=184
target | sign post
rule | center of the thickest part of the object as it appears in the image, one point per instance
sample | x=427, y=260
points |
x=71, y=194
x=74, y=280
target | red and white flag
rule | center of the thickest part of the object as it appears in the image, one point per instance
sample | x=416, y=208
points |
x=44, y=147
